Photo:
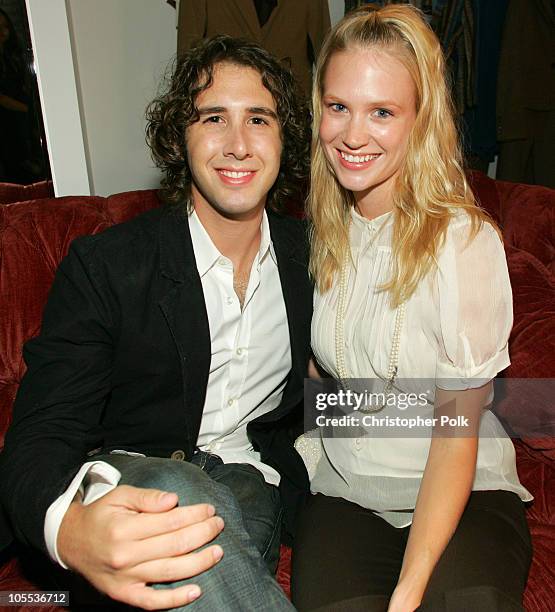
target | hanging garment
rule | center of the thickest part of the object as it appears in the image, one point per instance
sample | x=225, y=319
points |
x=424, y=5
x=294, y=31
x=479, y=136
x=526, y=94
x=264, y=9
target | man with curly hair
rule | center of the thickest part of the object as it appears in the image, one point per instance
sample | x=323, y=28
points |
x=161, y=397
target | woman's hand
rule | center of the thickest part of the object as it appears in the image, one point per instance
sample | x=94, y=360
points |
x=403, y=600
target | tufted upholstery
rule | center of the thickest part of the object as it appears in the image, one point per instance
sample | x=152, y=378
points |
x=35, y=235
x=525, y=213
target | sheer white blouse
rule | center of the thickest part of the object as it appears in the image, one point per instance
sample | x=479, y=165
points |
x=455, y=333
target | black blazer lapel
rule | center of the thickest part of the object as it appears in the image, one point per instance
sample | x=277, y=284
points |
x=184, y=309
x=291, y=250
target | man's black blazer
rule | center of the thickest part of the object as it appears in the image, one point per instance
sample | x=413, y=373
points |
x=122, y=362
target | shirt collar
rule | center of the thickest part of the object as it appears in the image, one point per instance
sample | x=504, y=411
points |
x=363, y=223
x=206, y=253
x=266, y=244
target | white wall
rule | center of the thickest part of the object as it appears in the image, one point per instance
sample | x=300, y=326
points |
x=58, y=94
x=120, y=51
x=337, y=10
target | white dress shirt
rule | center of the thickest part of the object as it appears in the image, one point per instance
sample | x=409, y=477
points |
x=248, y=368
x=455, y=334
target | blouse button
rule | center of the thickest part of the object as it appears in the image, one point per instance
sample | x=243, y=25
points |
x=358, y=444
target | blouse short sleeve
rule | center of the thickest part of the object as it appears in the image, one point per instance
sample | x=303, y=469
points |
x=475, y=307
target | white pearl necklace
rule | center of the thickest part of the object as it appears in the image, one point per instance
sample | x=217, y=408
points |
x=340, y=341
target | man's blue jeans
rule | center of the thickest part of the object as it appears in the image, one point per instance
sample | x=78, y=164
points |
x=250, y=539
x=259, y=502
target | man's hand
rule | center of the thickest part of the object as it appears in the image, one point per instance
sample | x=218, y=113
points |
x=132, y=537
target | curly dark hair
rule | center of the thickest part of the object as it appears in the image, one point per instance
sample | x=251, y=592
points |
x=169, y=115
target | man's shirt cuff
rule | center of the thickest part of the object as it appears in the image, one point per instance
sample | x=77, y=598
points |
x=93, y=480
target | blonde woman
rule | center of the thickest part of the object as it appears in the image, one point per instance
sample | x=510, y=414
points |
x=411, y=284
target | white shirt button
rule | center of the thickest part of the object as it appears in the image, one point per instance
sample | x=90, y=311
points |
x=231, y=401
x=229, y=300
x=222, y=262
x=240, y=351
x=358, y=444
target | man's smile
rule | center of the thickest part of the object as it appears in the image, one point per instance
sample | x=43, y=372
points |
x=236, y=177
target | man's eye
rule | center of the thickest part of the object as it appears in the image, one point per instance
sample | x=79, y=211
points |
x=258, y=121
x=213, y=119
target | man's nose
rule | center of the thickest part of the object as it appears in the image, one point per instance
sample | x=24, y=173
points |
x=237, y=142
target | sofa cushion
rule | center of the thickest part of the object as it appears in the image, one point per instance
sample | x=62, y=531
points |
x=485, y=191
x=532, y=340
x=529, y=219
x=539, y=478
x=525, y=213
x=526, y=405
x=12, y=192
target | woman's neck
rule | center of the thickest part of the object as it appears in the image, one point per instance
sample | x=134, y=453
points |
x=374, y=202
x=372, y=210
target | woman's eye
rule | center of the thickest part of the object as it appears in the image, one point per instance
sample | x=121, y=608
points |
x=383, y=113
x=338, y=108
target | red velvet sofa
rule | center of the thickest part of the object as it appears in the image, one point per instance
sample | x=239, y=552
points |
x=13, y=192
x=35, y=235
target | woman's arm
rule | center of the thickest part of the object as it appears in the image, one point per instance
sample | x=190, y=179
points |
x=313, y=369
x=443, y=494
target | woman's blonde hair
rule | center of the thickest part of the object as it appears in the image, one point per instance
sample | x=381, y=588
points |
x=431, y=182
